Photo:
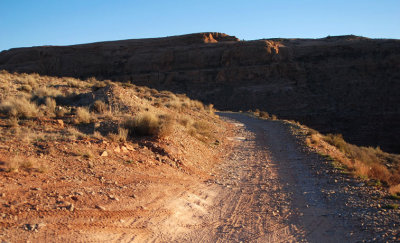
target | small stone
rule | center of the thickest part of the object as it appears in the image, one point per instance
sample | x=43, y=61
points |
x=117, y=149
x=31, y=227
x=90, y=164
x=71, y=207
x=124, y=149
x=112, y=197
x=133, y=196
x=100, y=207
x=104, y=154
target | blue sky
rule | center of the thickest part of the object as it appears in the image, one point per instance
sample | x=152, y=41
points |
x=64, y=22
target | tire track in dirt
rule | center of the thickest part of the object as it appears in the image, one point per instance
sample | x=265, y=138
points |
x=276, y=197
x=265, y=191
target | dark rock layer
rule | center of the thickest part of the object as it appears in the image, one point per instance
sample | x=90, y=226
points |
x=344, y=84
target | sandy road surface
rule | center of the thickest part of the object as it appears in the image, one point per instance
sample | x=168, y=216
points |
x=270, y=191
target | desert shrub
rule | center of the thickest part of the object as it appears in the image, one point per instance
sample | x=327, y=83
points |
x=74, y=83
x=60, y=112
x=380, y=172
x=175, y=104
x=264, y=114
x=186, y=122
x=91, y=80
x=99, y=106
x=210, y=108
x=121, y=136
x=30, y=80
x=149, y=124
x=201, y=130
x=12, y=122
x=44, y=92
x=98, y=85
x=157, y=104
x=83, y=116
x=274, y=117
x=50, y=104
x=337, y=141
x=197, y=104
x=18, y=107
x=367, y=162
x=26, y=88
x=395, y=189
x=166, y=126
x=18, y=163
x=368, y=155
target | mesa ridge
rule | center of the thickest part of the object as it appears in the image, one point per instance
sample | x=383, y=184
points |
x=343, y=84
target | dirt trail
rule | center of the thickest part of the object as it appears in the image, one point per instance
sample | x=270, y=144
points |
x=269, y=193
x=269, y=190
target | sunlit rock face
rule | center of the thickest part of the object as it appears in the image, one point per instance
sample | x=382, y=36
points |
x=344, y=84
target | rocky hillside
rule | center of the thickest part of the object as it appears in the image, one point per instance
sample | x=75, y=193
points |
x=344, y=84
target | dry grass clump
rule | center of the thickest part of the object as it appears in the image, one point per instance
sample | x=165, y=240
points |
x=83, y=116
x=26, y=88
x=368, y=155
x=210, y=109
x=185, y=121
x=51, y=105
x=149, y=124
x=201, y=130
x=12, y=122
x=29, y=80
x=18, y=107
x=264, y=114
x=175, y=104
x=395, y=189
x=60, y=111
x=121, y=136
x=99, y=106
x=73, y=133
x=197, y=105
x=75, y=83
x=44, y=92
x=19, y=163
x=368, y=162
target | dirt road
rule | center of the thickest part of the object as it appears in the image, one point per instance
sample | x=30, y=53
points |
x=270, y=191
x=271, y=188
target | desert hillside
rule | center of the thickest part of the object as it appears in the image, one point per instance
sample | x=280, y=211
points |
x=343, y=84
x=72, y=149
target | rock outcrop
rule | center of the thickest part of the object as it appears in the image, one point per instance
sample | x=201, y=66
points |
x=344, y=84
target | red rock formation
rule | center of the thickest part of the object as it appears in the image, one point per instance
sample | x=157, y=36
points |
x=344, y=84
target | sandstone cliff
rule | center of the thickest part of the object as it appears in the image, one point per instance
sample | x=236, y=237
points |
x=344, y=84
